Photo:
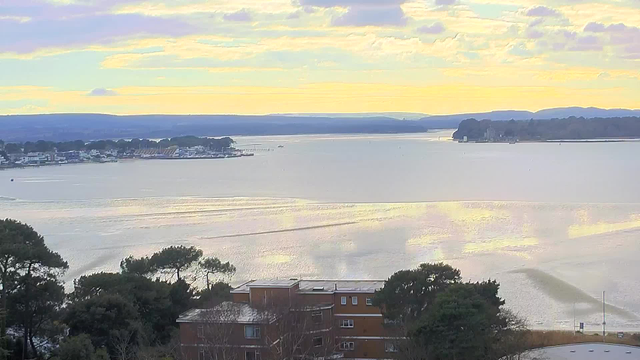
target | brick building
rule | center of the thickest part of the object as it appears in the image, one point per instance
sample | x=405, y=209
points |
x=281, y=319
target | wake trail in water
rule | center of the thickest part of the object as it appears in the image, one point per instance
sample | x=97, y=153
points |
x=282, y=230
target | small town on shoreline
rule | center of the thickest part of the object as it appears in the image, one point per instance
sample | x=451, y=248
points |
x=43, y=153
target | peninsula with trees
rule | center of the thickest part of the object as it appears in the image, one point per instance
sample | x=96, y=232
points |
x=43, y=152
x=572, y=128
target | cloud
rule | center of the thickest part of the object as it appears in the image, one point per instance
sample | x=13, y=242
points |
x=364, y=12
x=587, y=43
x=536, y=22
x=436, y=28
x=534, y=34
x=349, y=3
x=65, y=26
x=594, y=27
x=445, y=2
x=372, y=16
x=542, y=11
x=102, y=92
x=241, y=15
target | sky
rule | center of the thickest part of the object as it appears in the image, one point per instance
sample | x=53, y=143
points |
x=277, y=56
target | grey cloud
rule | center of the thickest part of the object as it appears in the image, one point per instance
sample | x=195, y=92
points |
x=436, y=28
x=372, y=16
x=632, y=51
x=102, y=92
x=587, y=43
x=84, y=30
x=542, y=11
x=445, y=2
x=536, y=22
x=64, y=25
x=594, y=27
x=534, y=34
x=349, y=3
x=241, y=15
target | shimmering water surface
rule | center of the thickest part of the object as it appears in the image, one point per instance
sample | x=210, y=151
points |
x=555, y=224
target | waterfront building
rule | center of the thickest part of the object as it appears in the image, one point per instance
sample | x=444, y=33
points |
x=313, y=319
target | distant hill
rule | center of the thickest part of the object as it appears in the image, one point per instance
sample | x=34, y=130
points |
x=393, y=115
x=64, y=127
x=555, y=113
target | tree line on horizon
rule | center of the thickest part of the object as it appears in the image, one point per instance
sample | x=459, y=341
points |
x=572, y=128
x=120, y=145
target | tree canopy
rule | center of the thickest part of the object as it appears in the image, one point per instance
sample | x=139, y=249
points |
x=120, y=314
x=407, y=293
x=441, y=318
x=463, y=323
x=175, y=259
x=571, y=128
x=121, y=145
x=29, y=270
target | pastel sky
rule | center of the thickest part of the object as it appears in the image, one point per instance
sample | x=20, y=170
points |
x=273, y=56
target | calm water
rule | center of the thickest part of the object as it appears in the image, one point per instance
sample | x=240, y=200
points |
x=555, y=224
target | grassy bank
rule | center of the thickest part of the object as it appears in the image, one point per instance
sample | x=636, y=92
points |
x=538, y=339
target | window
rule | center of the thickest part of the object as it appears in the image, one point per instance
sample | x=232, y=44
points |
x=354, y=300
x=316, y=317
x=251, y=332
x=201, y=354
x=369, y=302
x=390, y=347
x=252, y=355
x=317, y=341
x=343, y=300
x=347, y=323
x=350, y=345
x=200, y=331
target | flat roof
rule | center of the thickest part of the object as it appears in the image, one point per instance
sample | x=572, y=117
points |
x=317, y=286
x=226, y=313
x=273, y=283
x=586, y=351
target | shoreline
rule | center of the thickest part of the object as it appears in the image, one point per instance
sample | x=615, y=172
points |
x=559, y=141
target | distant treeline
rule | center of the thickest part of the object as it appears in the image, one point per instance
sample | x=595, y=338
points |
x=121, y=145
x=571, y=128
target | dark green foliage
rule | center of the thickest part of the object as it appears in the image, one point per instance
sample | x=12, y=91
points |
x=100, y=316
x=12, y=148
x=408, y=293
x=462, y=324
x=555, y=129
x=76, y=348
x=214, y=295
x=441, y=318
x=152, y=299
x=44, y=315
x=121, y=314
x=175, y=259
x=213, y=266
x=134, y=266
x=28, y=271
x=101, y=354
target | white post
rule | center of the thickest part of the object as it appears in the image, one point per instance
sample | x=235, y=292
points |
x=604, y=320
